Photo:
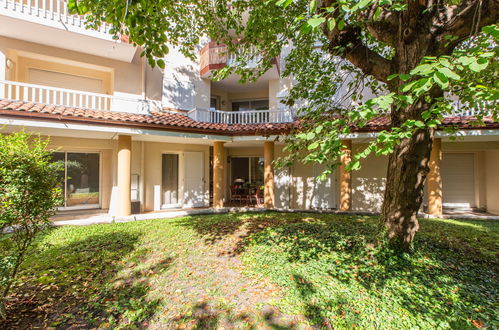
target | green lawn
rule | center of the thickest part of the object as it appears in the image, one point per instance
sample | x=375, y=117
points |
x=259, y=270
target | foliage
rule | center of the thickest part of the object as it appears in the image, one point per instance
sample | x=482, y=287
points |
x=29, y=195
x=335, y=272
x=316, y=269
x=467, y=77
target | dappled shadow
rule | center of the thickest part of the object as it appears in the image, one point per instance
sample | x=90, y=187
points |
x=235, y=229
x=84, y=283
x=447, y=271
x=205, y=316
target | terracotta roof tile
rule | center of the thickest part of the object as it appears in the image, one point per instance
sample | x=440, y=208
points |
x=178, y=121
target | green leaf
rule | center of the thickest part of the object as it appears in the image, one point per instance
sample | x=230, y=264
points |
x=419, y=124
x=310, y=136
x=284, y=3
x=405, y=76
x=449, y=74
x=423, y=69
x=315, y=22
x=406, y=87
x=161, y=63
x=313, y=145
x=341, y=24
x=441, y=79
x=331, y=24
x=392, y=76
x=479, y=65
x=312, y=6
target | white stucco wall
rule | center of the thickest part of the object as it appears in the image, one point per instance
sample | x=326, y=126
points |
x=183, y=88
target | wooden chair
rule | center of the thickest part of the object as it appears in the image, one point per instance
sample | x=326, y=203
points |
x=235, y=195
x=257, y=196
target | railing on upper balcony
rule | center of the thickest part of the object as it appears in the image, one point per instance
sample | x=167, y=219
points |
x=53, y=10
x=241, y=117
x=73, y=98
x=251, y=60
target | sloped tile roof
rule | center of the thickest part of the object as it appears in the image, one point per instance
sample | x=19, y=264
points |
x=177, y=121
x=166, y=120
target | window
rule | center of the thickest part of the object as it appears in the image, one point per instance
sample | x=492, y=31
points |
x=250, y=105
x=247, y=170
x=80, y=179
x=135, y=187
x=214, y=102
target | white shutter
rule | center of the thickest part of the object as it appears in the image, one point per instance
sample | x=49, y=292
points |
x=458, y=179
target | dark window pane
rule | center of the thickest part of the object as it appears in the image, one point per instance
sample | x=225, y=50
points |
x=82, y=183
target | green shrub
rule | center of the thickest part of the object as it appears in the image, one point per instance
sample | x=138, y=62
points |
x=29, y=195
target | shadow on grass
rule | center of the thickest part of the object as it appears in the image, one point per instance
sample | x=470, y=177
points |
x=217, y=228
x=205, y=316
x=451, y=277
x=84, y=283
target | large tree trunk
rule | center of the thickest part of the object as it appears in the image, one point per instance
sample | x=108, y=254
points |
x=407, y=170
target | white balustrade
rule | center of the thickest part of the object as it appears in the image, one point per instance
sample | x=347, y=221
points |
x=241, y=117
x=52, y=10
x=251, y=59
x=12, y=90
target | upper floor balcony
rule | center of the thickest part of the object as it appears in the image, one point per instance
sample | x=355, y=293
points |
x=214, y=56
x=13, y=90
x=33, y=93
x=48, y=22
x=248, y=117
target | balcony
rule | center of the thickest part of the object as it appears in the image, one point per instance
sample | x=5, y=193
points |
x=215, y=56
x=76, y=99
x=241, y=117
x=48, y=22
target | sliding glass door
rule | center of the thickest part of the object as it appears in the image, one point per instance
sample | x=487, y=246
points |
x=247, y=170
x=80, y=179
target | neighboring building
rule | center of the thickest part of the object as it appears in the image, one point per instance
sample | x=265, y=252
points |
x=136, y=139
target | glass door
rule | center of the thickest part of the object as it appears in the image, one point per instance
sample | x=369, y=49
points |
x=80, y=179
x=169, y=185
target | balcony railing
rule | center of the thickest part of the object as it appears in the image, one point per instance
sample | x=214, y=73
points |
x=48, y=11
x=73, y=98
x=241, y=117
x=215, y=56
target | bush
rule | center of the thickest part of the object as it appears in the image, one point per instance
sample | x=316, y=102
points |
x=29, y=195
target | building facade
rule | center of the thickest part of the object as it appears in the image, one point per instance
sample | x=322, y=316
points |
x=136, y=139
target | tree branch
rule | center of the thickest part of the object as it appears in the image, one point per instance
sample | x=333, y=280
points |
x=348, y=44
x=382, y=28
x=462, y=21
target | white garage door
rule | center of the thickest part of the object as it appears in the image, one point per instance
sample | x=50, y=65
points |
x=458, y=179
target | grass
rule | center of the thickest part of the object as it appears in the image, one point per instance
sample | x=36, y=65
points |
x=267, y=270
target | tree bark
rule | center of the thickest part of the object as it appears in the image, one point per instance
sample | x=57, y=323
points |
x=3, y=312
x=406, y=174
x=408, y=165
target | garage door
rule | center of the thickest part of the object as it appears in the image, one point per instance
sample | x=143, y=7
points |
x=458, y=179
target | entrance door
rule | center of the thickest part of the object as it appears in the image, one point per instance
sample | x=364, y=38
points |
x=194, y=192
x=458, y=179
x=169, y=184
